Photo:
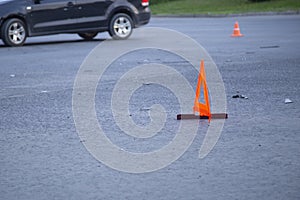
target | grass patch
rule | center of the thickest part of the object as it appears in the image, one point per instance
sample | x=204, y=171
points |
x=217, y=7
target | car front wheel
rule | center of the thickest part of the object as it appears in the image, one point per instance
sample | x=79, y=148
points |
x=14, y=32
x=120, y=26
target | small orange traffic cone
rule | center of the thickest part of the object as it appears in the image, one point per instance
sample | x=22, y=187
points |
x=202, y=108
x=236, y=30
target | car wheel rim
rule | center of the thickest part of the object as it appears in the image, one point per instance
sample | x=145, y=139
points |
x=16, y=33
x=122, y=27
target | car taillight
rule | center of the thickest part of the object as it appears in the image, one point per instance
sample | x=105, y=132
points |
x=145, y=2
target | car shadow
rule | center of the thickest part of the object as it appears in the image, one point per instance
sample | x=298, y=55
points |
x=55, y=42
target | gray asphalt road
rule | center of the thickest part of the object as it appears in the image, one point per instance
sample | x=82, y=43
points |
x=256, y=157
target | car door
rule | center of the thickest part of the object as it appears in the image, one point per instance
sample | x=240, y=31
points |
x=92, y=13
x=51, y=16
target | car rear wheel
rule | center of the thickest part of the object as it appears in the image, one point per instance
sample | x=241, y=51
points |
x=14, y=32
x=120, y=26
x=88, y=36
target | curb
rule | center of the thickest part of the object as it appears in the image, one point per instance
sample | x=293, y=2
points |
x=226, y=15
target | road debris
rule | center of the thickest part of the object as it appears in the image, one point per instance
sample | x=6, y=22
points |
x=145, y=109
x=241, y=96
x=269, y=47
x=286, y=101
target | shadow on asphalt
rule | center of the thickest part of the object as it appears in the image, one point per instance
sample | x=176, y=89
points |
x=56, y=42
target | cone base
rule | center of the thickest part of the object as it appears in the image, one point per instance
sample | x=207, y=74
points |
x=237, y=35
x=192, y=116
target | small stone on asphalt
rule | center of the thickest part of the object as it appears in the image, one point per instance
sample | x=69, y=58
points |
x=286, y=101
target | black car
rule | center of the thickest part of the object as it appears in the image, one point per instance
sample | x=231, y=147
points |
x=25, y=18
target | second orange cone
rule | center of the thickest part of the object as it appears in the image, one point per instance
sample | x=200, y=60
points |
x=236, y=30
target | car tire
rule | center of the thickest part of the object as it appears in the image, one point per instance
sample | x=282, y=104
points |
x=88, y=35
x=120, y=26
x=14, y=32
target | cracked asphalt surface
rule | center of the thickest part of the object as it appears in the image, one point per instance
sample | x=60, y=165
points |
x=256, y=157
